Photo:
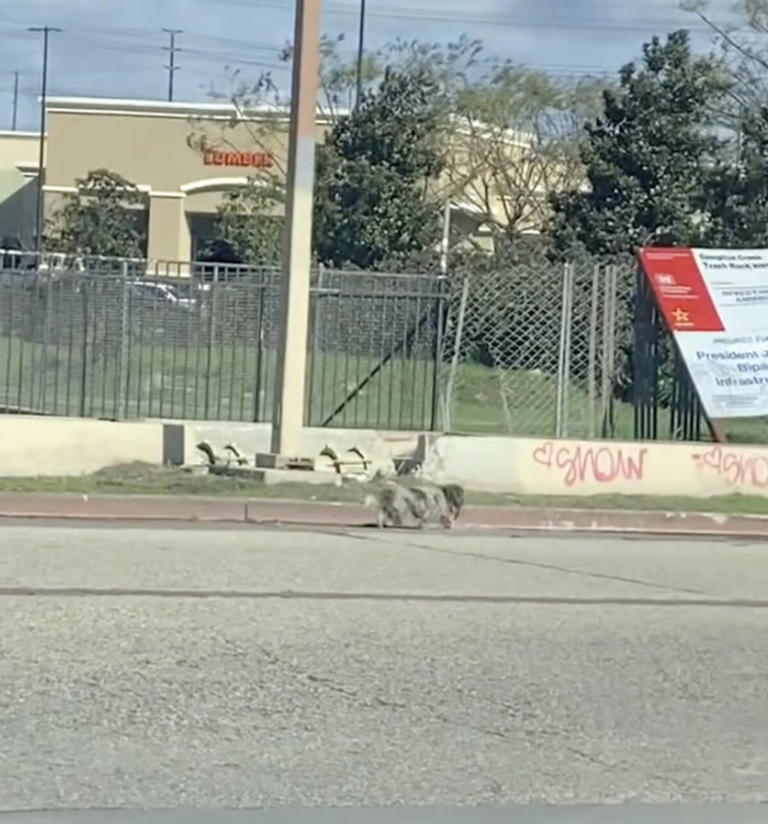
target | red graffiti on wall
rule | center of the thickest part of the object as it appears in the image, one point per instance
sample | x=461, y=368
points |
x=734, y=466
x=603, y=464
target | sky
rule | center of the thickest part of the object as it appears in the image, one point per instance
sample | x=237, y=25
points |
x=114, y=48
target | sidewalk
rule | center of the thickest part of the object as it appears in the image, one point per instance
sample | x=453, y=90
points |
x=191, y=510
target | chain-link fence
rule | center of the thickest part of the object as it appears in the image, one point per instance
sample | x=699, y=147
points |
x=538, y=350
x=107, y=339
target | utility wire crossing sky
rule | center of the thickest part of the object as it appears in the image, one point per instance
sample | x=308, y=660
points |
x=110, y=48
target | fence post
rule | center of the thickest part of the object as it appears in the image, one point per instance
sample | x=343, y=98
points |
x=608, y=352
x=122, y=385
x=592, y=356
x=45, y=294
x=571, y=276
x=257, y=405
x=605, y=372
x=438, y=355
x=316, y=315
x=613, y=305
x=84, y=368
x=211, y=329
x=564, y=355
x=448, y=396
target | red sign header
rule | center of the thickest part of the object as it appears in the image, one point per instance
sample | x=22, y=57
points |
x=681, y=294
x=255, y=160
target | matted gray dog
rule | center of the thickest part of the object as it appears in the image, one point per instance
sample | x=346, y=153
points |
x=412, y=503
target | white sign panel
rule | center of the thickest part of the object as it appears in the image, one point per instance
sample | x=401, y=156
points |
x=715, y=303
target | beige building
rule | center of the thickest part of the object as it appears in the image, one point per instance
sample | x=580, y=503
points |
x=19, y=158
x=183, y=157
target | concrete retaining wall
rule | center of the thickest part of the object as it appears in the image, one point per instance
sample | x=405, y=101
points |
x=77, y=446
x=73, y=446
x=545, y=467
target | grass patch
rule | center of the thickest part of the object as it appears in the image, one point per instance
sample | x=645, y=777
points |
x=224, y=381
x=235, y=381
x=144, y=479
x=726, y=504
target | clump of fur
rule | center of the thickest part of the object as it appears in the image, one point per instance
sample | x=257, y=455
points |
x=401, y=504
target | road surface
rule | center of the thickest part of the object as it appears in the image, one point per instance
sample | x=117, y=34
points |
x=215, y=668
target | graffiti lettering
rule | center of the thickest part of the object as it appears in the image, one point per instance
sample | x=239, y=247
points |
x=735, y=467
x=602, y=464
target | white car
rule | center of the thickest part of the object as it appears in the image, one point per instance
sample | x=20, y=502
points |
x=161, y=292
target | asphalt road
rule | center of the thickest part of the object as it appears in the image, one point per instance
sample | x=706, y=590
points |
x=163, y=668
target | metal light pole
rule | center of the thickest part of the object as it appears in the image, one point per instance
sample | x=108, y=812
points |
x=445, y=242
x=15, y=100
x=46, y=30
x=288, y=409
x=171, y=48
x=360, y=51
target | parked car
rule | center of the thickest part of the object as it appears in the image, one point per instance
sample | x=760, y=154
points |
x=154, y=292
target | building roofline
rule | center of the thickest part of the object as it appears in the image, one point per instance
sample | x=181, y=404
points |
x=97, y=103
x=158, y=108
x=10, y=133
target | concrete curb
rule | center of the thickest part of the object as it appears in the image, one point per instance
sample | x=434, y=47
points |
x=191, y=510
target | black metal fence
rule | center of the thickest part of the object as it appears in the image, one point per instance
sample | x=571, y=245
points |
x=107, y=339
x=665, y=402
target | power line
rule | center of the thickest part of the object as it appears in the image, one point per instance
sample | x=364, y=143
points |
x=429, y=15
x=104, y=42
x=172, y=48
x=107, y=40
x=139, y=42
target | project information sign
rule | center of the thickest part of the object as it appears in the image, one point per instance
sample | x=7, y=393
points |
x=715, y=302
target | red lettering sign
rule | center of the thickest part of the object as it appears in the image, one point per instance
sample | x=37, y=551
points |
x=680, y=290
x=255, y=160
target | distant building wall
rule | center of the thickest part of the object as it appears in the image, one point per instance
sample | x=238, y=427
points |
x=19, y=157
x=184, y=157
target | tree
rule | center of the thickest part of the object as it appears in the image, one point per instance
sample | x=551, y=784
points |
x=509, y=135
x=373, y=174
x=246, y=228
x=514, y=140
x=647, y=156
x=737, y=189
x=261, y=108
x=744, y=50
x=103, y=217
